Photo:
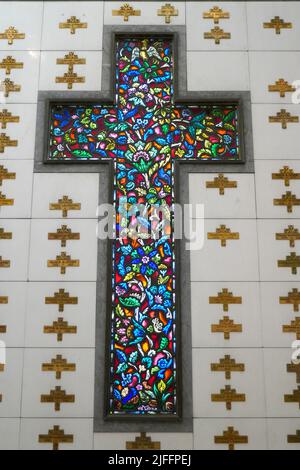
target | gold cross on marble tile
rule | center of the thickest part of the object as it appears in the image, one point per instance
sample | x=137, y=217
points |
x=5, y=141
x=126, y=10
x=57, y=396
x=70, y=78
x=231, y=437
x=216, y=14
x=288, y=200
x=55, y=437
x=143, y=442
x=277, y=23
x=294, y=438
x=65, y=204
x=6, y=175
x=284, y=118
x=9, y=63
x=2, y=367
x=293, y=327
x=217, y=34
x=167, y=11
x=60, y=328
x=10, y=34
x=282, y=87
x=3, y=329
x=293, y=397
x=291, y=234
x=8, y=86
x=4, y=201
x=295, y=369
x=291, y=261
x=293, y=298
x=223, y=234
x=72, y=24
x=6, y=117
x=61, y=298
x=228, y=395
x=70, y=60
x=63, y=234
x=225, y=298
x=3, y=299
x=58, y=365
x=221, y=182
x=63, y=261
x=5, y=235
x=227, y=365
x=226, y=326
x=286, y=174
x=4, y=263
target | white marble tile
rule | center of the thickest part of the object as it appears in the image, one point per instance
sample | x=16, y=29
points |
x=56, y=38
x=22, y=131
x=236, y=202
x=261, y=38
x=81, y=315
x=26, y=78
x=15, y=250
x=11, y=384
x=270, y=140
x=266, y=68
x=12, y=313
x=212, y=71
x=279, y=383
x=148, y=14
x=78, y=383
x=276, y=314
x=9, y=430
x=237, y=261
x=91, y=70
x=205, y=314
x=206, y=383
x=81, y=188
x=80, y=429
x=278, y=432
x=168, y=441
x=272, y=250
x=197, y=26
x=26, y=17
x=43, y=250
x=205, y=431
x=268, y=189
x=19, y=189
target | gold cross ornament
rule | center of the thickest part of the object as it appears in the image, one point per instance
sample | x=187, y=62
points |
x=221, y=182
x=293, y=298
x=3, y=299
x=231, y=437
x=4, y=201
x=65, y=204
x=60, y=328
x=63, y=234
x=288, y=200
x=70, y=60
x=58, y=365
x=282, y=87
x=293, y=327
x=295, y=369
x=292, y=261
x=126, y=10
x=228, y=395
x=11, y=34
x=8, y=86
x=225, y=298
x=294, y=438
x=226, y=326
x=61, y=298
x=291, y=234
x=293, y=397
x=277, y=23
x=5, y=235
x=57, y=396
x=227, y=365
x=6, y=142
x=142, y=442
x=167, y=11
x=216, y=14
x=4, y=263
x=217, y=34
x=63, y=261
x=223, y=234
x=6, y=117
x=9, y=63
x=284, y=118
x=6, y=175
x=286, y=174
x=55, y=437
x=72, y=24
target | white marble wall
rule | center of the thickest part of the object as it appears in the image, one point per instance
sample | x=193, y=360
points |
x=252, y=59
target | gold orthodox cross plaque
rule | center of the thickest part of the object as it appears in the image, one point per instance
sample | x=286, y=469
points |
x=228, y=396
x=217, y=34
x=225, y=298
x=8, y=86
x=223, y=234
x=3, y=299
x=284, y=118
x=288, y=200
x=6, y=117
x=60, y=328
x=58, y=365
x=221, y=183
x=65, y=204
x=278, y=24
x=70, y=60
x=6, y=142
x=282, y=87
x=286, y=174
x=70, y=78
x=294, y=327
x=167, y=11
x=295, y=369
x=72, y=24
x=3, y=329
x=227, y=365
x=9, y=63
x=63, y=261
x=293, y=298
x=216, y=14
x=11, y=34
x=126, y=11
x=291, y=234
x=61, y=298
x=294, y=438
x=4, y=201
x=143, y=442
x=55, y=437
x=291, y=261
x=293, y=397
x=57, y=396
x=5, y=235
x=231, y=437
x=4, y=263
x=63, y=234
x=226, y=326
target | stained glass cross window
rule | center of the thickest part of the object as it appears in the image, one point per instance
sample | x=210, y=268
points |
x=144, y=133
